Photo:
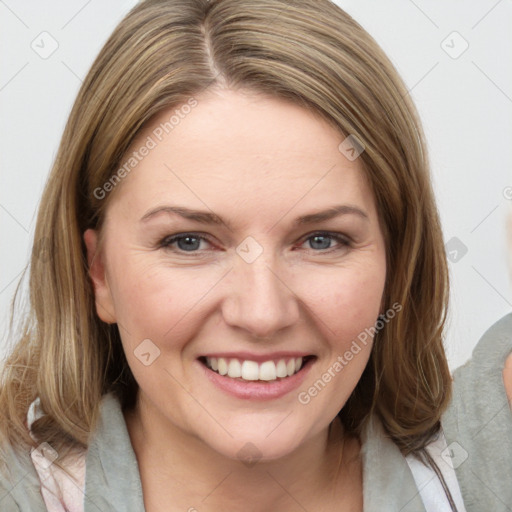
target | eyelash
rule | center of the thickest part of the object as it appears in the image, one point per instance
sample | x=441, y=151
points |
x=166, y=242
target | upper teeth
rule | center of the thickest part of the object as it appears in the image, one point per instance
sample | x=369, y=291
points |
x=251, y=370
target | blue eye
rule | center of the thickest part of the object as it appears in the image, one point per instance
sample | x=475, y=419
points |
x=190, y=242
x=187, y=242
x=316, y=237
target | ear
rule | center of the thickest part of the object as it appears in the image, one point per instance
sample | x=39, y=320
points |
x=95, y=262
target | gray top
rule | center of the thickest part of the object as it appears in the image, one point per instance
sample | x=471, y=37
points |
x=479, y=420
x=477, y=427
x=21, y=490
x=112, y=481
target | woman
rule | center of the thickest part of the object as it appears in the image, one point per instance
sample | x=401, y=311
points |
x=190, y=346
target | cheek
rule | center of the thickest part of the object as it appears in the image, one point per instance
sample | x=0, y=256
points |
x=359, y=300
x=154, y=301
x=347, y=300
x=157, y=312
x=347, y=310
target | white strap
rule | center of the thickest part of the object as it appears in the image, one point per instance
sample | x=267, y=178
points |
x=430, y=487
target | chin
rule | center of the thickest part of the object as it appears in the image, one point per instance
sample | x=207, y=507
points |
x=261, y=443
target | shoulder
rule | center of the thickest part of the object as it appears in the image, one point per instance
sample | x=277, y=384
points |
x=7, y=501
x=33, y=483
x=478, y=422
x=482, y=378
x=19, y=484
x=494, y=346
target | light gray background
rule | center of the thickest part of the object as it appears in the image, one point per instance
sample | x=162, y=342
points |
x=465, y=104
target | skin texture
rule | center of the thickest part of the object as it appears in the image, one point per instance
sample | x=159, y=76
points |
x=259, y=163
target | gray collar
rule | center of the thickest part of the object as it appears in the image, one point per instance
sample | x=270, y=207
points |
x=113, y=480
x=388, y=483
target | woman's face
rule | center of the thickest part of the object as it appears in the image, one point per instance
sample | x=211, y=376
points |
x=247, y=284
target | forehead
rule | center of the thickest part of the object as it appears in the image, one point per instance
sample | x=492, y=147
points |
x=232, y=148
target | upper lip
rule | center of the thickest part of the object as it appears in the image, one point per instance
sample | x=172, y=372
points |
x=259, y=358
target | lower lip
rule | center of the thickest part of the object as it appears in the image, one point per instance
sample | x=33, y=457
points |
x=258, y=390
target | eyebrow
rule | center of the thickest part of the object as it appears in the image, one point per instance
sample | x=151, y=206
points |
x=205, y=217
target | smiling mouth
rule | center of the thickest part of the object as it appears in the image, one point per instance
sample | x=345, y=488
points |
x=251, y=371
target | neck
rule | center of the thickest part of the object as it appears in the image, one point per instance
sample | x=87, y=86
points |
x=178, y=468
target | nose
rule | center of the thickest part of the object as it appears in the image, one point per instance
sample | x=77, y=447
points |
x=260, y=298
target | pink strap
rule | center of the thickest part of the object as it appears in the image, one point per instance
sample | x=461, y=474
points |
x=61, y=493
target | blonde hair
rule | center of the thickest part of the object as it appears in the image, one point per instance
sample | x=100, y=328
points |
x=163, y=53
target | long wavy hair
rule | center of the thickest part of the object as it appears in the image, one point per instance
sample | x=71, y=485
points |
x=163, y=53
